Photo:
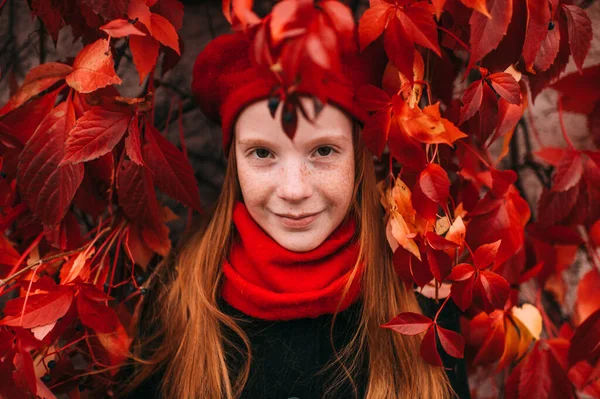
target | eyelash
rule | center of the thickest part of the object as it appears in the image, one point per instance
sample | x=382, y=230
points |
x=324, y=156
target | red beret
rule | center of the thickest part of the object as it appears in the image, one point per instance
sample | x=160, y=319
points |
x=225, y=81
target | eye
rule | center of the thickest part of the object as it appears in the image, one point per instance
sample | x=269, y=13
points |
x=324, y=151
x=261, y=153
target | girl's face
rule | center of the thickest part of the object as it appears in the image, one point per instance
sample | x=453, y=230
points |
x=297, y=191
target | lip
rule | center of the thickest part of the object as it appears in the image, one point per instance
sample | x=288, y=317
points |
x=298, y=222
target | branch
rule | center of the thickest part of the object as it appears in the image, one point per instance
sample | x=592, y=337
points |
x=50, y=258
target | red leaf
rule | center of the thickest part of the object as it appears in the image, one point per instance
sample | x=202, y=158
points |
x=452, y=342
x=48, y=188
x=486, y=33
x=375, y=132
x=172, y=172
x=438, y=5
x=138, y=9
x=580, y=91
x=461, y=272
x=540, y=80
x=540, y=374
x=423, y=205
x=550, y=155
x=535, y=376
x=508, y=117
x=144, y=50
x=372, y=98
x=440, y=264
x=429, y=349
x=132, y=143
x=486, y=254
x=409, y=323
x=554, y=206
x=93, y=68
x=478, y=5
x=96, y=133
x=472, y=98
x=40, y=310
x=420, y=271
x=568, y=172
x=164, y=32
x=502, y=181
x=586, y=340
x=37, y=80
x=538, y=17
x=135, y=188
x=435, y=184
x=462, y=291
x=99, y=318
x=506, y=86
x=399, y=48
x=343, y=22
x=120, y=28
x=22, y=122
x=548, y=51
x=439, y=242
x=580, y=33
x=496, y=290
x=417, y=21
x=170, y=9
x=404, y=148
x=25, y=370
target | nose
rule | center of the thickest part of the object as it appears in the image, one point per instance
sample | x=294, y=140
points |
x=294, y=183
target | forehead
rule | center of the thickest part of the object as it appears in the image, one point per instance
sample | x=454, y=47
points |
x=255, y=122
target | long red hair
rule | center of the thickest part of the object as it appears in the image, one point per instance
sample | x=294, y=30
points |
x=188, y=339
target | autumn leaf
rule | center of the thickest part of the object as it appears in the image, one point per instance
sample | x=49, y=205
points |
x=93, y=68
x=472, y=98
x=409, y=323
x=163, y=31
x=37, y=80
x=434, y=184
x=586, y=340
x=133, y=146
x=372, y=23
x=486, y=33
x=172, y=172
x=40, y=309
x=136, y=194
x=506, y=86
x=399, y=48
x=120, y=28
x=138, y=9
x=538, y=12
x=96, y=133
x=580, y=33
x=144, y=50
x=48, y=188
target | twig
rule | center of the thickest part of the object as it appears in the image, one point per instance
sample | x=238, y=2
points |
x=50, y=258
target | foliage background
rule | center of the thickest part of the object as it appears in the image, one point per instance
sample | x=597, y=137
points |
x=24, y=45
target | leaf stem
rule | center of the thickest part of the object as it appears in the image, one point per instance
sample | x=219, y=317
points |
x=562, y=124
x=441, y=307
x=478, y=155
x=463, y=44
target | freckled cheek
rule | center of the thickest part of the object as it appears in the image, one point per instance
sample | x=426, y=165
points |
x=338, y=182
x=255, y=186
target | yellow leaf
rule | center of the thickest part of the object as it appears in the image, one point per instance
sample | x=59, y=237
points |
x=531, y=318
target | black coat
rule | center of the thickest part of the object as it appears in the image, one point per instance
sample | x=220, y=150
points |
x=287, y=355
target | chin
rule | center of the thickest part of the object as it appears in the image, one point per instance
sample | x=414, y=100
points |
x=303, y=243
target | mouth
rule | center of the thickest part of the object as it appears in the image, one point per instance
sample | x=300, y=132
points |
x=297, y=221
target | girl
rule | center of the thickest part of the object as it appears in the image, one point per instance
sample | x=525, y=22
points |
x=282, y=292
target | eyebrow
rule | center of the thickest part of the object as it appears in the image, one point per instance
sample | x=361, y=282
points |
x=312, y=140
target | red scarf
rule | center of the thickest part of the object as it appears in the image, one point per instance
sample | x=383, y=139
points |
x=265, y=280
